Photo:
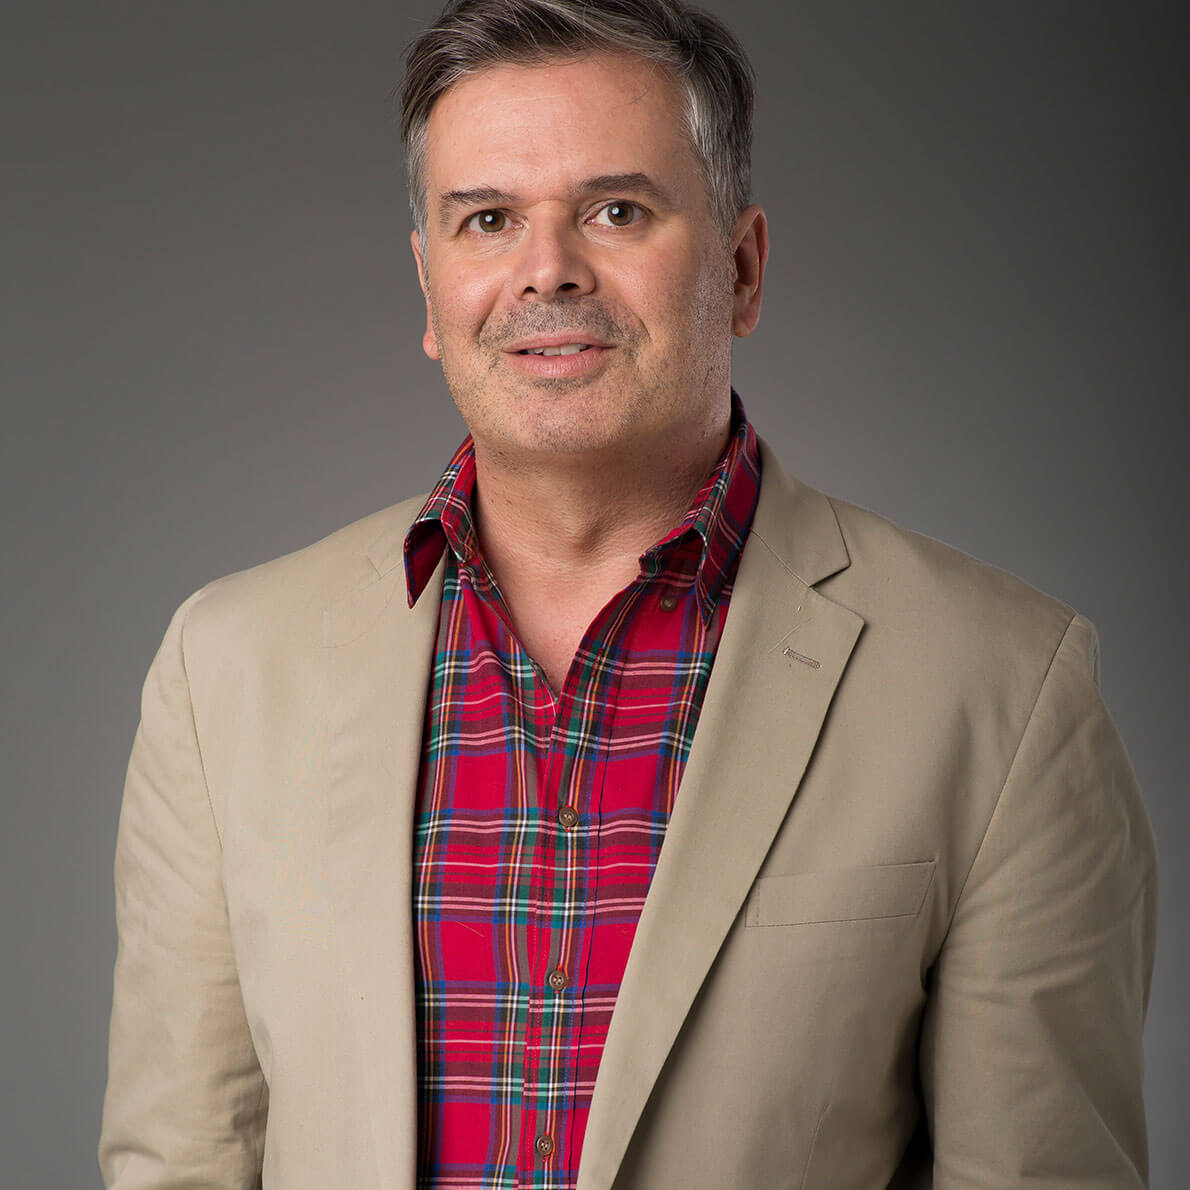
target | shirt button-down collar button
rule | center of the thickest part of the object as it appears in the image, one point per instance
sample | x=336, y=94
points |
x=568, y=817
x=544, y=1144
x=557, y=979
x=668, y=602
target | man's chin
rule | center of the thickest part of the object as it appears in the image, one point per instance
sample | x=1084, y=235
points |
x=552, y=431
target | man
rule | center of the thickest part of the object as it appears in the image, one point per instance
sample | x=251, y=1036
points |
x=625, y=812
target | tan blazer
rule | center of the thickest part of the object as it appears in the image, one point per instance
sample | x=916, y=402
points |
x=903, y=916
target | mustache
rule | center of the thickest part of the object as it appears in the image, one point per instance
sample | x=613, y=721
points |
x=581, y=315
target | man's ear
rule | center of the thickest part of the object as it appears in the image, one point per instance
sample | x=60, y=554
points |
x=750, y=252
x=428, y=342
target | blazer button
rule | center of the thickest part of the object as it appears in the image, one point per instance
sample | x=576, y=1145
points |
x=557, y=979
x=544, y=1144
x=568, y=817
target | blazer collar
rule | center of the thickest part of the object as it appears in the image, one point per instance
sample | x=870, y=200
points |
x=797, y=523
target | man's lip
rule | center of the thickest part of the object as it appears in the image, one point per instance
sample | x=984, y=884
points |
x=571, y=365
x=554, y=341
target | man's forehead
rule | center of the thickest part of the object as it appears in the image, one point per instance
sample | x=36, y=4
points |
x=578, y=120
x=607, y=81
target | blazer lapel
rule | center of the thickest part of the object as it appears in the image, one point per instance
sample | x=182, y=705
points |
x=378, y=654
x=783, y=651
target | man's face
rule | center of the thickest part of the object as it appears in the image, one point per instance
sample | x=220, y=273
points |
x=566, y=210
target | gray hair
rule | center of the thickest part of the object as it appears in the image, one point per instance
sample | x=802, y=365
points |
x=695, y=48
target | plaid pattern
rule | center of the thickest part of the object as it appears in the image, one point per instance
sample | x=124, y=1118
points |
x=539, y=824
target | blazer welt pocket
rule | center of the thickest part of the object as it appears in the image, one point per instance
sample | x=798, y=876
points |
x=840, y=894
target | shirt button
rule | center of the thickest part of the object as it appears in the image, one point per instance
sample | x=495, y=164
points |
x=557, y=979
x=544, y=1144
x=668, y=602
x=568, y=817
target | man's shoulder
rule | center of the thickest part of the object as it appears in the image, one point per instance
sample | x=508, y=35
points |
x=288, y=594
x=888, y=557
x=928, y=607
x=924, y=599
x=879, y=564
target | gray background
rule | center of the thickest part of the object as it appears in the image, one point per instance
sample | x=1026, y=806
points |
x=974, y=321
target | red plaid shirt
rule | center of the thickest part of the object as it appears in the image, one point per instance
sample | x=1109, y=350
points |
x=539, y=824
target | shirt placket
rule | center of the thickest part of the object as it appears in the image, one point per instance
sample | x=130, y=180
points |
x=560, y=922
x=530, y=885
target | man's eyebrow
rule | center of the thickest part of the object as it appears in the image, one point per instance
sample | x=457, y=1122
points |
x=489, y=196
x=477, y=196
x=635, y=183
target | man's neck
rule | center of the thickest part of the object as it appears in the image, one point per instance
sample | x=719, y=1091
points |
x=562, y=518
x=563, y=535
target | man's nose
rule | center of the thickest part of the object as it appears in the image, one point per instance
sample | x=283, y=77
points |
x=553, y=262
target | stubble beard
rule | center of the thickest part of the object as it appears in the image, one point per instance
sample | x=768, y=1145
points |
x=517, y=415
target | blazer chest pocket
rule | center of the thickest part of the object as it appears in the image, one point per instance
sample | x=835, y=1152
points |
x=842, y=911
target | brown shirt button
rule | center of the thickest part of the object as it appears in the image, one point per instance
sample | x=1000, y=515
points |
x=544, y=1144
x=557, y=979
x=568, y=817
x=668, y=602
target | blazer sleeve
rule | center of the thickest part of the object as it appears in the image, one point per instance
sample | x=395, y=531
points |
x=1031, y=1056
x=186, y=1101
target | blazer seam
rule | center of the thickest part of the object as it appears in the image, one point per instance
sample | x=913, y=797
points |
x=987, y=826
x=777, y=557
x=202, y=766
x=258, y=1141
x=813, y=1145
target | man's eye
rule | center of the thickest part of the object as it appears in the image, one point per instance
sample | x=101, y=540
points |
x=618, y=214
x=488, y=221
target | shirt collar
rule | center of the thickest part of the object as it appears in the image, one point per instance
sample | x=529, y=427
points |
x=716, y=522
x=444, y=519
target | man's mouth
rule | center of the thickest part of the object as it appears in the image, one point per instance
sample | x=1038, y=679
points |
x=565, y=349
x=545, y=356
